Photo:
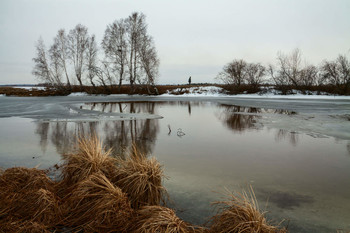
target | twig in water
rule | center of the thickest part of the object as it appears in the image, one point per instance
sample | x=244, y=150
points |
x=169, y=130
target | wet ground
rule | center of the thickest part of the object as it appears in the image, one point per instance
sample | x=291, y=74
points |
x=294, y=153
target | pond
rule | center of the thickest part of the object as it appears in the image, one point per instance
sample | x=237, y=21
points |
x=296, y=159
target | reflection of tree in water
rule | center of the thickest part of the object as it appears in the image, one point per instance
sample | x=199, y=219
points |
x=42, y=130
x=121, y=135
x=238, y=118
x=63, y=135
x=118, y=135
x=283, y=134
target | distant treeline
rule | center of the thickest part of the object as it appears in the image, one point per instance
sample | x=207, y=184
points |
x=128, y=54
x=289, y=72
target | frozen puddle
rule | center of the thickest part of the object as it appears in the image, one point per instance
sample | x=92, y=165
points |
x=74, y=112
x=80, y=112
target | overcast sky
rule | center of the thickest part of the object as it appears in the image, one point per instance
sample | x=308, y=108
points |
x=193, y=37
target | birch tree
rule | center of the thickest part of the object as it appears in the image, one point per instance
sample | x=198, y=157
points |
x=91, y=59
x=61, y=45
x=115, y=47
x=149, y=60
x=136, y=26
x=45, y=70
x=290, y=66
x=41, y=68
x=77, y=46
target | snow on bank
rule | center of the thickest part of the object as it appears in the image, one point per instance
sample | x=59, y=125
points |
x=213, y=91
x=30, y=87
x=197, y=91
x=294, y=96
x=78, y=94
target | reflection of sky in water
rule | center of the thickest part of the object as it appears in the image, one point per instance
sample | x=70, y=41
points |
x=304, y=179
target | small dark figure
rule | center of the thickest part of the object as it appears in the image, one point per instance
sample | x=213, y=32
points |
x=189, y=81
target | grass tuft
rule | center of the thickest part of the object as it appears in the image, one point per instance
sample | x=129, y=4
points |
x=96, y=205
x=141, y=178
x=153, y=219
x=240, y=213
x=90, y=157
x=12, y=225
x=27, y=194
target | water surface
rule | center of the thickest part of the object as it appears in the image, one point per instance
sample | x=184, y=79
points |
x=297, y=160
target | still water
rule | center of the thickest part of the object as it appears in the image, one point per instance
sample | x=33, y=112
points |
x=299, y=176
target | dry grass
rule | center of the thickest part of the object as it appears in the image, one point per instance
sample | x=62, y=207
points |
x=11, y=225
x=240, y=213
x=27, y=194
x=154, y=219
x=96, y=205
x=100, y=192
x=90, y=157
x=141, y=178
x=17, y=179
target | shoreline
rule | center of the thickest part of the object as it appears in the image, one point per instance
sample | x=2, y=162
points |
x=196, y=90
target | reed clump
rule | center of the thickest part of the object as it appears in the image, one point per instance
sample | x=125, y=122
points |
x=90, y=157
x=154, y=219
x=17, y=179
x=96, y=205
x=141, y=178
x=240, y=213
x=99, y=193
x=28, y=194
x=9, y=225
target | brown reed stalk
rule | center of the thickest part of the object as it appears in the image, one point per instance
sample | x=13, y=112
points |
x=96, y=205
x=90, y=157
x=10, y=225
x=240, y=213
x=27, y=194
x=141, y=179
x=154, y=219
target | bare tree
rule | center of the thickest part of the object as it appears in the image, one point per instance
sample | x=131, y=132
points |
x=337, y=72
x=91, y=59
x=290, y=66
x=55, y=65
x=101, y=77
x=45, y=70
x=61, y=44
x=115, y=47
x=234, y=73
x=149, y=60
x=41, y=69
x=136, y=26
x=278, y=78
x=108, y=73
x=309, y=76
x=255, y=73
x=78, y=40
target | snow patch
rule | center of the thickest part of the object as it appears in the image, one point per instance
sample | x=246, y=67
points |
x=78, y=94
x=294, y=96
x=269, y=93
x=39, y=88
x=197, y=91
